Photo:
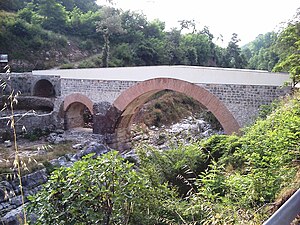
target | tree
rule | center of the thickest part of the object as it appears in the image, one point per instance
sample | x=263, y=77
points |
x=83, y=5
x=233, y=57
x=155, y=29
x=199, y=49
x=134, y=24
x=288, y=48
x=187, y=24
x=109, y=24
x=261, y=53
x=12, y=5
x=173, y=48
x=54, y=15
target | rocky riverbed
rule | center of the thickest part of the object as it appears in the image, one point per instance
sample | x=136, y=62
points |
x=188, y=130
x=84, y=142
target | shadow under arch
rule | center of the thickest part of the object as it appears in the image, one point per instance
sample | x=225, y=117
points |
x=44, y=88
x=74, y=106
x=130, y=101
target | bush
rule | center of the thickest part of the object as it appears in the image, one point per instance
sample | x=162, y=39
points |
x=105, y=190
x=221, y=180
x=67, y=66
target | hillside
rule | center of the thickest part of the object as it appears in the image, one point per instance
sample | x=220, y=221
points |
x=39, y=34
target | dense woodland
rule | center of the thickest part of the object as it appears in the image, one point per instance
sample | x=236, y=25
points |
x=40, y=34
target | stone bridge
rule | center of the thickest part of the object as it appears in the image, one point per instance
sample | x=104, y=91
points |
x=114, y=95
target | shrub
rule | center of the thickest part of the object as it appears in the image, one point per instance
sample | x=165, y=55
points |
x=105, y=190
x=67, y=66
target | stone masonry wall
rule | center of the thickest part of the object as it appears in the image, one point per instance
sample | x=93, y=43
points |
x=96, y=90
x=24, y=82
x=29, y=121
x=242, y=100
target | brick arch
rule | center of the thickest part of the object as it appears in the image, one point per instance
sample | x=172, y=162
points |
x=133, y=98
x=77, y=98
x=74, y=107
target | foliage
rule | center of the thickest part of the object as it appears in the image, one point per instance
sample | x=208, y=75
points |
x=233, y=56
x=288, y=46
x=225, y=179
x=261, y=53
x=109, y=24
x=232, y=178
x=104, y=190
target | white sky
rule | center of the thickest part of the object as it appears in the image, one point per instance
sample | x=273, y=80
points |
x=246, y=18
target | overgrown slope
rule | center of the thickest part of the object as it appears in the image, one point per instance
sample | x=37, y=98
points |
x=235, y=180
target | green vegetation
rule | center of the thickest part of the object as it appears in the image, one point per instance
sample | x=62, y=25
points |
x=41, y=34
x=221, y=180
x=105, y=190
x=277, y=51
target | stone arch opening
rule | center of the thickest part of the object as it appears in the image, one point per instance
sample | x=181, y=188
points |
x=78, y=115
x=168, y=107
x=130, y=101
x=44, y=88
x=78, y=111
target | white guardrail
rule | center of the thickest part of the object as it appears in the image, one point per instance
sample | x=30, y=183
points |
x=287, y=212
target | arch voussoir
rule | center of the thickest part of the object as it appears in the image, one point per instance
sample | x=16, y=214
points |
x=129, y=100
x=80, y=98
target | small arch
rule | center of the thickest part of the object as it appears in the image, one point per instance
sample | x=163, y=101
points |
x=78, y=110
x=44, y=88
x=133, y=98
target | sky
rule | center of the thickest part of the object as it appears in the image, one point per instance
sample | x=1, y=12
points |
x=247, y=18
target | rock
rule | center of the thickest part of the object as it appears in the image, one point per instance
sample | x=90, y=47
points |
x=62, y=159
x=146, y=137
x=93, y=147
x=55, y=162
x=16, y=201
x=51, y=138
x=54, y=138
x=59, y=139
x=131, y=156
x=14, y=217
x=137, y=138
x=8, y=144
x=59, y=131
x=207, y=133
x=6, y=190
x=77, y=146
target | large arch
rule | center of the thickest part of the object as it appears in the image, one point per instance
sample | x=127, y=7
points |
x=129, y=102
x=74, y=106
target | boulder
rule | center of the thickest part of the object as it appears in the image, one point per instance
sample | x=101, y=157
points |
x=7, y=144
x=93, y=147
